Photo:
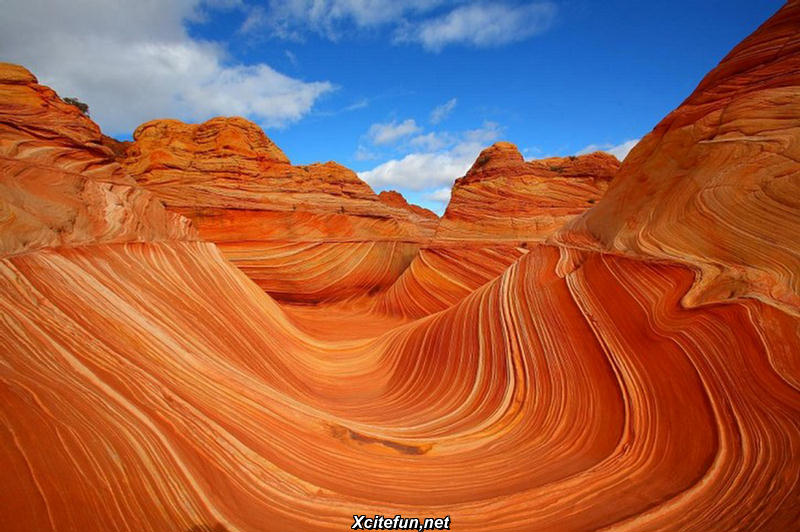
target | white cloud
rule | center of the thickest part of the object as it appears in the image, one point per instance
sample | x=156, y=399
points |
x=619, y=151
x=432, y=169
x=431, y=141
x=291, y=57
x=134, y=61
x=482, y=25
x=417, y=171
x=441, y=112
x=440, y=195
x=364, y=154
x=360, y=104
x=392, y=131
x=291, y=19
x=485, y=23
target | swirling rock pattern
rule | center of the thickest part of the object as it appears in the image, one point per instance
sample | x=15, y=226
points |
x=504, y=197
x=442, y=275
x=241, y=191
x=148, y=384
x=502, y=205
x=716, y=184
x=531, y=405
x=314, y=272
x=59, y=184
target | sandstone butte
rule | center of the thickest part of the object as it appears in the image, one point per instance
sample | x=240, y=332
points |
x=149, y=384
x=496, y=211
x=303, y=233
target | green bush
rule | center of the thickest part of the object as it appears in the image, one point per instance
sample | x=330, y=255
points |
x=84, y=108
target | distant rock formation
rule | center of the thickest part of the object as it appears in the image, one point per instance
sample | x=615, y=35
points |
x=303, y=233
x=501, y=206
x=503, y=197
x=395, y=199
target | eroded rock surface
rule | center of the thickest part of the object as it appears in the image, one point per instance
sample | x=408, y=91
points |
x=146, y=383
x=716, y=185
x=304, y=233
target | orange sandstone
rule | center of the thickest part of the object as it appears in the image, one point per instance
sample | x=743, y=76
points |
x=148, y=384
x=716, y=184
x=504, y=197
x=59, y=183
x=502, y=205
x=303, y=233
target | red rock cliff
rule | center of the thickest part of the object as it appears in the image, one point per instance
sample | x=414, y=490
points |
x=305, y=233
x=59, y=183
x=716, y=184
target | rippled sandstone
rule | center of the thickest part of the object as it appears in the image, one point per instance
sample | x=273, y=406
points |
x=59, y=183
x=716, y=185
x=496, y=211
x=303, y=233
x=148, y=384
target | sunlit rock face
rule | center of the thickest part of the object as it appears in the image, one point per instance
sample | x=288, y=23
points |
x=504, y=197
x=500, y=207
x=154, y=386
x=427, y=218
x=148, y=384
x=441, y=275
x=303, y=233
x=716, y=185
x=59, y=184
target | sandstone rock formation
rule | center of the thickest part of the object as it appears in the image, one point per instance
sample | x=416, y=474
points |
x=716, y=184
x=59, y=184
x=503, y=197
x=501, y=206
x=303, y=233
x=148, y=384
x=395, y=199
x=441, y=275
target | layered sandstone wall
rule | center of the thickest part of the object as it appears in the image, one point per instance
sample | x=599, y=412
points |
x=716, y=184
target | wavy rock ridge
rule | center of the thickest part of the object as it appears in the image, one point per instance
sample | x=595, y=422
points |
x=501, y=206
x=146, y=383
x=59, y=185
x=725, y=161
x=303, y=233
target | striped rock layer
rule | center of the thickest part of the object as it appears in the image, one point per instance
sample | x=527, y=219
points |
x=504, y=197
x=155, y=387
x=148, y=384
x=303, y=233
x=502, y=205
x=716, y=185
x=59, y=184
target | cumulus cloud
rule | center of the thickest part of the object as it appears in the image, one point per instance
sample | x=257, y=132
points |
x=424, y=170
x=441, y=112
x=292, y=19
x=440, y=195
x=392, y=131
x=482, y=25
x=135, y=61
x=619, y=151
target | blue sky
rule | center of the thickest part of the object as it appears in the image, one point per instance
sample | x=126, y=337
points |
x=405, y=93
